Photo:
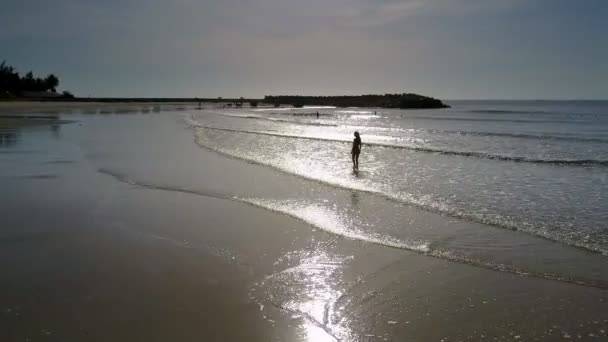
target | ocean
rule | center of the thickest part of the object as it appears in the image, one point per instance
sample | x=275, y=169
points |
x=482, y=221
x=521, y=186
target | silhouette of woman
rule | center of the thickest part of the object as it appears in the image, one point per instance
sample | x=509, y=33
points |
x=356, y=150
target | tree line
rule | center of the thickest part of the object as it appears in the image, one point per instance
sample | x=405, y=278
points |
x=11, y=83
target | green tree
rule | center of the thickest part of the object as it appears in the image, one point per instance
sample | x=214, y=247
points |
x=51, y=82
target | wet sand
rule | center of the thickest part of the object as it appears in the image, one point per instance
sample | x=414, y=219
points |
x=119, y=227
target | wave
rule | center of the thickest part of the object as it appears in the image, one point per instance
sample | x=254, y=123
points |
x=325, y=221
x=60, y=162
x=426, y=204
x=445, y=118
x=459, y=132
x=334, y=227
x=523, y=136
x=471, y=133
x=282, y=113
x=500, y=111
x=20, y=151
x=362, y=112
x=481, y=155
x=506, y=111
x=303, y=114
x=37, y=176
x=481, y=133
x=263, y=118
x=296, y=122
x=125, y=179
x=465, y=133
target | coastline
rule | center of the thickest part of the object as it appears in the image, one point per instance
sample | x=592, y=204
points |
x=58, y=107
x=386, y=101
x=110, y=260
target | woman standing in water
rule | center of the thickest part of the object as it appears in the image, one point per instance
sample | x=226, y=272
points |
x=356, y=150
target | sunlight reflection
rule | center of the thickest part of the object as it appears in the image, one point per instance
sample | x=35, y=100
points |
x=316, y=334
x=317, y=296
x=364, y=117
x=312, y=292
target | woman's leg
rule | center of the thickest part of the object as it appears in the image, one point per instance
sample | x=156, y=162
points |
x=357, y=161
x=353, y=157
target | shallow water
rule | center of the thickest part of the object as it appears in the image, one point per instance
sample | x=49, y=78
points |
x=537, y=167
x=383, y=255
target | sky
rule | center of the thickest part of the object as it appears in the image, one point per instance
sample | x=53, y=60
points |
x=450, y=49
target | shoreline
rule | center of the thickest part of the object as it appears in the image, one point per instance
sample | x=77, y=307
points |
x=59, y=107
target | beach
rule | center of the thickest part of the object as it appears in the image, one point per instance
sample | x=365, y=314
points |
x=157, y=222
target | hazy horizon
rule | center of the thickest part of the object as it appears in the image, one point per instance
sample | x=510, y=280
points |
x=452, y=50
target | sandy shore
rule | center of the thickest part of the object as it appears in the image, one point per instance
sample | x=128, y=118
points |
x=121, y=228
x=55, y=108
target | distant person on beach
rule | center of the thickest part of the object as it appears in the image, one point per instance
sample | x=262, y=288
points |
x=356, y=150
x=317, y=114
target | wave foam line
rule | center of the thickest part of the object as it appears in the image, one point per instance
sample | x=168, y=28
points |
x=124, y=179
x=444, y=118
x=505, y=111
x=481, y=155
x=525, y=136
x=281, y=120
x=480, y=133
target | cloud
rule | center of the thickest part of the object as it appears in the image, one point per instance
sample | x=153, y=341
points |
x=118, y=47
x=371, y=13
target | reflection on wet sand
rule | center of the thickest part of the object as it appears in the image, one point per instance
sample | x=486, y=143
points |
x=8, y=137
x=312, y=292
x=90, y=111
x=12, y=125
